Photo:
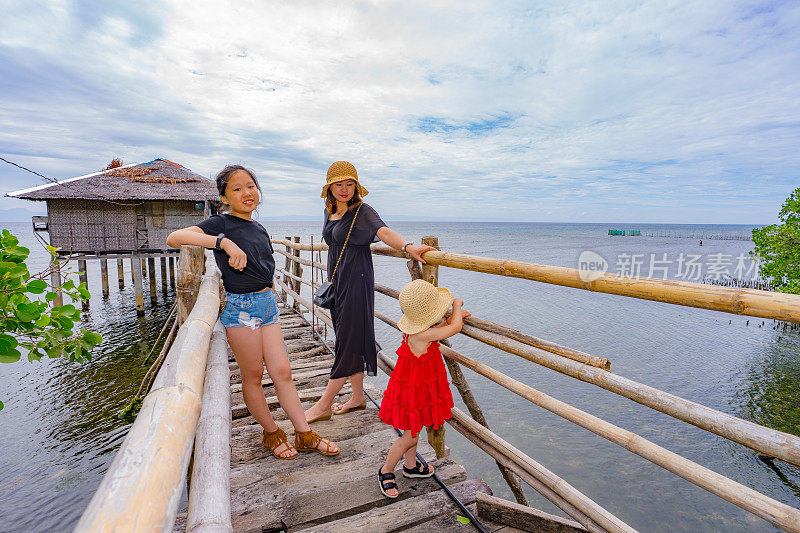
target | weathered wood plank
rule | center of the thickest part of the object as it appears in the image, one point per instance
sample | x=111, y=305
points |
x=308, y=395
x=448, y=523
x=406, y=513
x=328, y=492
x=522, y=517
x=246, y=440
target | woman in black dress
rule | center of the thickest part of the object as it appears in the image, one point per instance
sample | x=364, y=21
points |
x=354, y=285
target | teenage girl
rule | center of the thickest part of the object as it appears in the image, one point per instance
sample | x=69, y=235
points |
x=244, y=256
x=418, y=393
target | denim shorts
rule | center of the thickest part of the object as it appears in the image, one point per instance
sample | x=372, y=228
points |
x=251, y=310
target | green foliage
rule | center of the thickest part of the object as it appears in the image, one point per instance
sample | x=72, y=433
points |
x=37, y=326
x=778, y=247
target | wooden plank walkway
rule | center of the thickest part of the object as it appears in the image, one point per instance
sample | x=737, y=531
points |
x=340, y=493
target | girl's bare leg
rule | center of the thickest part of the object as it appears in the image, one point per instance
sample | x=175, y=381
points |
x=274, y=353
x=324, y=403
x=247, y=349
x=357, y=398
x=396, y=452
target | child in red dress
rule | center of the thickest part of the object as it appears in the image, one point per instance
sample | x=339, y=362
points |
x=418, y=393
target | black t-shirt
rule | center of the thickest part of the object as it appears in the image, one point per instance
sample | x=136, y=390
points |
x=253, y=239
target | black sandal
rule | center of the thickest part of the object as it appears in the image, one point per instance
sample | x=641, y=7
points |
x=417, y=471
x=386, y=482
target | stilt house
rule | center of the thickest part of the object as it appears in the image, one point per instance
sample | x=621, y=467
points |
x=130, y=208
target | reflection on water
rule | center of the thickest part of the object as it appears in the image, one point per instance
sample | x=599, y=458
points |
x=59, y=429
x=772, y=398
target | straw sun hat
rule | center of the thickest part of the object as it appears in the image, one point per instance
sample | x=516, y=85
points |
x=340, y=171
x=423, y=305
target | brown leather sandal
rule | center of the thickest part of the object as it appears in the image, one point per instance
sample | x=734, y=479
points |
x=308, y=441
x=273, y=440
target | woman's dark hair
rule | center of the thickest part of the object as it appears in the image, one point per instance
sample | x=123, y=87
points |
x=330, y=201
x=226, y=173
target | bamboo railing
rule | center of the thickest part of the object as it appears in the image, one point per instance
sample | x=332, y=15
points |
x=142, y=488
x=595, y=370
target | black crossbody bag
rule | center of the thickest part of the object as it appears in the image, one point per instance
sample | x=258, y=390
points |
x=325, y=296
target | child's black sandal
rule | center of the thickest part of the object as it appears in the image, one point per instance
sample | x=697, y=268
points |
x=418, y=471
x=387, y=482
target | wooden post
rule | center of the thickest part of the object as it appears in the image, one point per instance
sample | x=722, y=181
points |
x=151, y=266
x=55, y=281
x=104, y=276
x=297, y=271
x=288, y=267
x=164, y=285
x=430, y=273
x=190, y=273
x=136, y=271
x=83, y=278
x=144, y=269
x=121, y=273
x=475, y=411
x=172, y=272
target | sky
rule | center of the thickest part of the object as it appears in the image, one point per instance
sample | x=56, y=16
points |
x=665, y=111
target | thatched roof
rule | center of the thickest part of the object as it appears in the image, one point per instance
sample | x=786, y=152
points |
x=156, y=180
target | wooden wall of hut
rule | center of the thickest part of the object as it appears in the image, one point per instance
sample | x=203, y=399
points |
x=82, y=225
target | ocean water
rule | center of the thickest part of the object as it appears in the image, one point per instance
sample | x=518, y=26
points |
x=59, y=430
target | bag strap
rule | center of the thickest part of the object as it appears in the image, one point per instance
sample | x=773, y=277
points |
x=345, y=243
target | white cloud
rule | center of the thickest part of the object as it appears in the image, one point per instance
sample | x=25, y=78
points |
x=658, y=110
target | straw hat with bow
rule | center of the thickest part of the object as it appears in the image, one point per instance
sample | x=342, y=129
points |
x=340, y=171
x=423, y=306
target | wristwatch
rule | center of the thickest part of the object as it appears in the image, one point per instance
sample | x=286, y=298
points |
x=219, y=241
x=406, y=246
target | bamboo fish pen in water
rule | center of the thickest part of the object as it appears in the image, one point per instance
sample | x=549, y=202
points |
x=595, y=370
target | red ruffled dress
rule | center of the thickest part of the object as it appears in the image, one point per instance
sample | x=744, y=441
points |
x=418, y=393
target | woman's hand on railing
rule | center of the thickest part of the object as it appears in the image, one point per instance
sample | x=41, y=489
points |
x=416, y=251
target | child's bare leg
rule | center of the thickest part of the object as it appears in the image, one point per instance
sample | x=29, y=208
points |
x=410, y=458
x=396, y=452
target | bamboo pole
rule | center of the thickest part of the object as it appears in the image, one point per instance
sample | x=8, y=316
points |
x=771, y=510
x=287, y=265
x=575, y=355
x=557, y=490
x=190, y=264
x=136, y=272
x=297, y=271
x=55, y=281
x=104, y=276
x=387, y=365
x=121, y=272
x=209, y=495
x=151, y=264
x=318, y=311
x=768, y=441
x=172, y=272
x=302, y=261
x=164, y=285
x=430, y=273
x=292, y=276
x=317, y=247
x=142, y=488
x=751, y=302
x=83, y=277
